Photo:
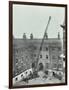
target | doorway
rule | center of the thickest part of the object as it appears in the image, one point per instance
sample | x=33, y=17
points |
x=40, y=66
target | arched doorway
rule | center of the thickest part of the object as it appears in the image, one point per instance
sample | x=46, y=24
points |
x=40, y=66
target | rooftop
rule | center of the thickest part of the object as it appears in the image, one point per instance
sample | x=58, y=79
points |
x=23, y=42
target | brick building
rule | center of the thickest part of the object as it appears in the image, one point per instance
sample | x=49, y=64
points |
x=25, y=52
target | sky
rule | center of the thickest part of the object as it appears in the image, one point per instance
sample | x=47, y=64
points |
x=33, y=19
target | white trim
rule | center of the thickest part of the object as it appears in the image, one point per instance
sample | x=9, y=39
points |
x=19, y=77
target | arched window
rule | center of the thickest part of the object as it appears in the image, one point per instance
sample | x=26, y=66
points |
x=40, y=66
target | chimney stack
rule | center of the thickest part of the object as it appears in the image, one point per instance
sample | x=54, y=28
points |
x=31, y=36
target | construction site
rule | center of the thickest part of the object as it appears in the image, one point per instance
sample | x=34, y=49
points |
x=38, y=61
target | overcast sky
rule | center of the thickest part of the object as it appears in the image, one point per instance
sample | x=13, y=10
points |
x=33, y=19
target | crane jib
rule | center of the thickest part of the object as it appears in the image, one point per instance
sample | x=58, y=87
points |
x=42, y=42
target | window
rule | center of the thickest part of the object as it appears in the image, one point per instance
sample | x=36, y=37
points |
x=41, y=66
x=16, y=79
x=40, y=56
x=16, y=60
x=46, y=56
x=22, y=75
x=33, y=64
x=46, y=48
x=26, y=72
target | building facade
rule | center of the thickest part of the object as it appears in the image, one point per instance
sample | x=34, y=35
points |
x=25, y=52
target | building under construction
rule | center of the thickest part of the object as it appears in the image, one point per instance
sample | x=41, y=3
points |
x=45, y=53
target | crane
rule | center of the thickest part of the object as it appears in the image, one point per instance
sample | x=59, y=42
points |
x=35, y=70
